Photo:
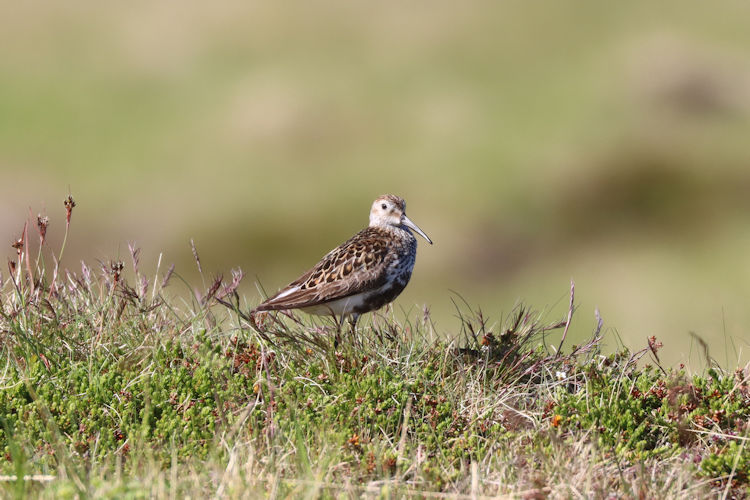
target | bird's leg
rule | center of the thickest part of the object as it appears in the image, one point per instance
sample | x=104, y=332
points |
x=353, y=322
x=337, y=337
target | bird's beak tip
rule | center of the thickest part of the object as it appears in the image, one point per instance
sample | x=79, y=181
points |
x=408, y=223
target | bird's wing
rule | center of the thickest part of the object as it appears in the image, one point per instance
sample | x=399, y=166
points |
x=358, y=264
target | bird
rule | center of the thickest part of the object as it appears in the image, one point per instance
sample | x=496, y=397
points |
x=363, y=274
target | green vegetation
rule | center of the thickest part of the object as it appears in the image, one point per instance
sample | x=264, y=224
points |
x=112, y=389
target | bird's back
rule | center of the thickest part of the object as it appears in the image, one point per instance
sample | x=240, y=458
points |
x=374, y=261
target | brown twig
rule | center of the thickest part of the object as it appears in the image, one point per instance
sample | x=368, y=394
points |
x=571, y=308
x=28, y=259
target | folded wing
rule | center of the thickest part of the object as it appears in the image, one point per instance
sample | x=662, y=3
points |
x=357, y=265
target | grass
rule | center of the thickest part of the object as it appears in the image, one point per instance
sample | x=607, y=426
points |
x=110, y=389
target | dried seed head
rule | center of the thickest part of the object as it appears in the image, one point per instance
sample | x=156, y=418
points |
x=195, y=255
x=18, y=245
x=165, y=281
x=41, y=223
x=116, y=268
x=143, y=287
x=135, y=253
x=212, y=290
x=85, y=272
x=237, y=275
x=69, y=205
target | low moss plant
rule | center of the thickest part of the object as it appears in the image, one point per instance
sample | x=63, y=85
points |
x=110, y=388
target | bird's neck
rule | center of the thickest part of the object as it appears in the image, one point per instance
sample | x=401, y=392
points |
x=398, y=231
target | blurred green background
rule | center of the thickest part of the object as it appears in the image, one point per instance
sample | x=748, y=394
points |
x=535, y=142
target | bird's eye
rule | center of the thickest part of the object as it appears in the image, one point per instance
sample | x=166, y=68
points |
x=383, y=206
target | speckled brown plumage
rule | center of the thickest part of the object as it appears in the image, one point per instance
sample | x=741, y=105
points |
x=363, y=274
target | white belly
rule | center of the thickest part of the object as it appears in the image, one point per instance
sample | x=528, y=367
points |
x=346, y=305
x=339, y=307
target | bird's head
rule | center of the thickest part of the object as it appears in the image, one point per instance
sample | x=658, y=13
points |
x=389, y=210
